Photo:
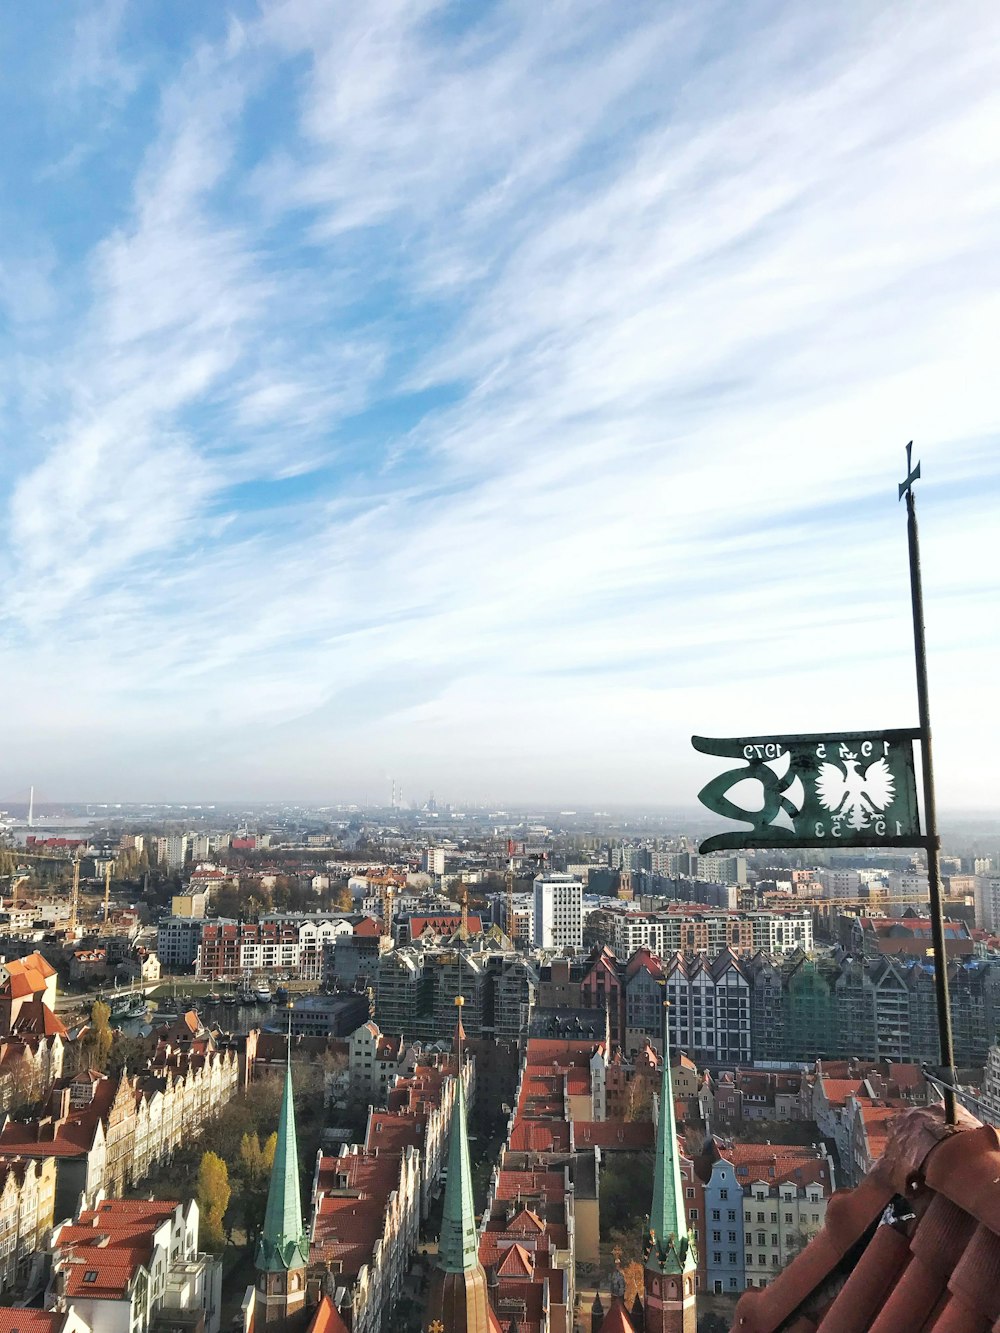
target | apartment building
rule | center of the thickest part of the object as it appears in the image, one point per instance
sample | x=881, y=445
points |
x=785, y=1191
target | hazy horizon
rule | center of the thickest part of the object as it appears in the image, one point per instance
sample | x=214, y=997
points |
x=468, y=397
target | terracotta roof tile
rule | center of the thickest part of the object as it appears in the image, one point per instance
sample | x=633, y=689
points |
x=916, y=1246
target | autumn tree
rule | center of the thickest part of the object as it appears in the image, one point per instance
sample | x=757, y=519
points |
x=213, y=1199
x=342, y=900
x=98, y=1037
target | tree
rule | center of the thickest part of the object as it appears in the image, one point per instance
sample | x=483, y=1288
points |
x=126, y=1053
x=213, y=1194
x=99, y=1036
x=342, y=900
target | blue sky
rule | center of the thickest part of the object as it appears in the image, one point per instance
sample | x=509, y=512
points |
x=489, y=396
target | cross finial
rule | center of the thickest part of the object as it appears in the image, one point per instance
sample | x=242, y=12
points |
x=912, y=473
x=435, y=1326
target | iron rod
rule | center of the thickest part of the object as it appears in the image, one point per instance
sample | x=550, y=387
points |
x=930, y=813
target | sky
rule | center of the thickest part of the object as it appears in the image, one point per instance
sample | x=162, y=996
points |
x=487, y=397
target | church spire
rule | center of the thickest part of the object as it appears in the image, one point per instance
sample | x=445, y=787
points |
x=458, y=1300
x=666, y=1244
x=458, y=1248
x=283, y=1244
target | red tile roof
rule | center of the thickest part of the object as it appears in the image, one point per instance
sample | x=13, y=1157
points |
x=27, y=976
x=327, y=1319
x=915, y=1247
x=30, y=1321
x=633, y=1134
x=778, y=1163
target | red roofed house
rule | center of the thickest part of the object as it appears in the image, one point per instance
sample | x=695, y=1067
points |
x=25, y=982
x=121, y=1264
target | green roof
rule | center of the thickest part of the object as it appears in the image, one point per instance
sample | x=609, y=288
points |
x=458, y=1248
x=667, y=1247
x=283, y=1243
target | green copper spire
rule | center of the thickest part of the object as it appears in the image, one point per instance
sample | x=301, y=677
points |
x=667, y=1248
x=283, y=1243
x=458, y=1248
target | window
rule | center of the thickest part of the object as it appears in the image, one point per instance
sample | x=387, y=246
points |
x=732, y=1283
x=715, y=1214
x=716, y=1257
x=723, y=1194
x=689, y=1192
x=90, y=1275
x=716, y=1235
x=760, y=1217
x=693, y=1213
x=774, y=1217
x=732, y=1237
x=732, y=1258
x=774, y=1261
x=774, y=1238
x=788, y=1219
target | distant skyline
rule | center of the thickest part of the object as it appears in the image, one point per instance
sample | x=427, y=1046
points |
x=488, y=397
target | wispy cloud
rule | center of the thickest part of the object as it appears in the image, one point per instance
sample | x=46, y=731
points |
x=496, y=397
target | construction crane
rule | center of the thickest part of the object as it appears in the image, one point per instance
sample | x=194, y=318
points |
x=107, y=892
x=465, y=911
x=74, y=901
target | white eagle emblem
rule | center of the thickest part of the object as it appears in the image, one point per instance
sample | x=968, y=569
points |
x=856, y=796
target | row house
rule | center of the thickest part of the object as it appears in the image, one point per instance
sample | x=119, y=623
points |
x=128, y=1264
x=105, y=1135
x=763, y=1202
x=785, y=1192
x=365, y=1223
x=30, y=1063
x=709, y=1014
x=27, y=1213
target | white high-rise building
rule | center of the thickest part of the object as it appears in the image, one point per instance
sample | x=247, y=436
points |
x=434, y=861
x=557, y=920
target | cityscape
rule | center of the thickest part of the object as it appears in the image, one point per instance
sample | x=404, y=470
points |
x=499, y=624
x=389, y=1051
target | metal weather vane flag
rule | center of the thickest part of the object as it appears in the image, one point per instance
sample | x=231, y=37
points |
x=830, y=789
x=844, y=789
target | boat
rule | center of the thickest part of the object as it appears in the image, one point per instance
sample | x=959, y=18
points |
x=262, y=995
x=137, y=1009
x=229, y=999
x=120, y=1005
x=281, y=994
x=213, y=997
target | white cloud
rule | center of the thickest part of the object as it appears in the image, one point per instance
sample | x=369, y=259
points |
x=675, y=302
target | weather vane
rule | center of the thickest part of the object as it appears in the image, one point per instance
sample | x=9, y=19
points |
x=845, y=789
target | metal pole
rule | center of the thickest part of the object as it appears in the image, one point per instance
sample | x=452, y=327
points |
x=930, y=807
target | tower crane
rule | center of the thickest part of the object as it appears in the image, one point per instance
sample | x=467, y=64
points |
x=74, y=902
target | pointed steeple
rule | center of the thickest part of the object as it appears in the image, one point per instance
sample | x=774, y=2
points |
x=458, y=1299
x=283, y=1243
x=458, y=1248
x=667, y=1247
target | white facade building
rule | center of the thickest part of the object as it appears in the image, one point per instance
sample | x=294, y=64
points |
x=433, y=861
x=558, y=911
